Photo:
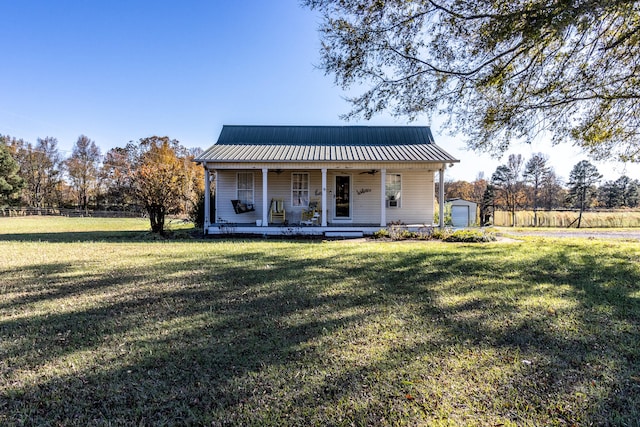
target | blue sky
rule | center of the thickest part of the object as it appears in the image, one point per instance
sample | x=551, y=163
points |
x=118, y=71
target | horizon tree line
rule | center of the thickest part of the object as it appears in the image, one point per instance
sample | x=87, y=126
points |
x=534, y=185
x=156, y=175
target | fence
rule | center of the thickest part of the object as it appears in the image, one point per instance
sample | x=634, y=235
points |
x=28, y=211
x=605, y=219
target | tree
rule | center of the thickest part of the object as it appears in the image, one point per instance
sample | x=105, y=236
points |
x=116, y=176
x=458, y=190
x=10, y=182
x=82, y=168
x=535, y=171
x=582, y=179
x=633, y=194
x=500, y=70
x=609, y=195
x=160, y=178
x=628, y=190
x=479, y=187
x=487, y=205
x=40, y=168
x=508, y=186
x=552, y=193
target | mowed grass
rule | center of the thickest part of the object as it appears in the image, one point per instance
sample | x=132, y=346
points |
x=111, y=329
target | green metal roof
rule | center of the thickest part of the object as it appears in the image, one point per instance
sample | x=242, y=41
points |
x=325, y=143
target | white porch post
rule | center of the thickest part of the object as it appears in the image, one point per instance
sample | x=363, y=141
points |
x=323, y=212
x=441, y=191
x=265, y=194
x=215, y=191
x=383, y=198
x=207, y=199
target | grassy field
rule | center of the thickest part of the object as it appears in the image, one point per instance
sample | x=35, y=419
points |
x=99, y=325
x=563, y=219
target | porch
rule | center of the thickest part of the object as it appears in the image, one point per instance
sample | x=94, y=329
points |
x=358, y=179
x=283, y=230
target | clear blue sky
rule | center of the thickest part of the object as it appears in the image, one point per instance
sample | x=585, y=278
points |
x=119, y=71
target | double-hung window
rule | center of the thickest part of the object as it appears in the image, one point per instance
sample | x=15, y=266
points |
x=244, y=187
x=300, y=189
x=394, y=190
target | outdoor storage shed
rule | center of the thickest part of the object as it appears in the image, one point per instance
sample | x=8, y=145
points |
x=463, y=212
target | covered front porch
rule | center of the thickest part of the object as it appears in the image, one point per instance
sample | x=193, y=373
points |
x=322, y=180
x=350, y=201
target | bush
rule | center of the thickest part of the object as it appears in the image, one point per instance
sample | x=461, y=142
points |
x=197, y=212
x=471, y=236
x=381, y=234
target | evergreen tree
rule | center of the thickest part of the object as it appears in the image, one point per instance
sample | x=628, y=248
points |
x=10, y=182
x=535, y=172
x=582, y=180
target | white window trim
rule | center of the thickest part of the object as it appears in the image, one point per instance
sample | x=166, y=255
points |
x=253, y=186
x=388, y=201
x=308, y=190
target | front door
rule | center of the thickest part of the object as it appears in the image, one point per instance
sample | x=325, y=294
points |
x=342, y=198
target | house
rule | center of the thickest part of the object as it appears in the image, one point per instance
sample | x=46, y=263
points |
x=321, y=180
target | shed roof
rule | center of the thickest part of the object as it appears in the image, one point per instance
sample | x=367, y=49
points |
x=325, y=143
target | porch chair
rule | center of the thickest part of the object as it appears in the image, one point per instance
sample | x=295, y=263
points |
x=311, y=216
x=276, y=211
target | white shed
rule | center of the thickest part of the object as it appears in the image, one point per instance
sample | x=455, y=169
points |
x=463, y=212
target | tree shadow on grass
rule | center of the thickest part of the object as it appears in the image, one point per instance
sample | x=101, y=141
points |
x=76, y=236
x=342, y=338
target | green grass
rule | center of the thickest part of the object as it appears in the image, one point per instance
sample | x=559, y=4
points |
x=105, y=328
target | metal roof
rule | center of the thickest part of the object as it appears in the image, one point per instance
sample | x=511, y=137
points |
x=325, y=143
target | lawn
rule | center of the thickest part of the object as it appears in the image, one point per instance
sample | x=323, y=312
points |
x=100, y=325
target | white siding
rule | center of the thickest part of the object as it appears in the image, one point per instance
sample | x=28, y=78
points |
x=226, y=191
x=366, y=198
x=417, y=195
x=417, y=198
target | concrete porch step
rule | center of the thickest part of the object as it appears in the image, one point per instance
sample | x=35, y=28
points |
x=344, y=233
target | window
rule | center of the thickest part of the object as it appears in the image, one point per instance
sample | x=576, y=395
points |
x=394, y=190
x=245, y=187
x=300, y=189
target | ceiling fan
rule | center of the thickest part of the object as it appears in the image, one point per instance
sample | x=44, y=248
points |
x=371, y=172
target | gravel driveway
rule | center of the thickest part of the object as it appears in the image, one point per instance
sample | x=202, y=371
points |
x=632, y=233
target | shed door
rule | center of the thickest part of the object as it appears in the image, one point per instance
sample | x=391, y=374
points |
x=460, y=216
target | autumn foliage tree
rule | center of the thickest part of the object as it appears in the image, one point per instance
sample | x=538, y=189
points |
x=161, y=178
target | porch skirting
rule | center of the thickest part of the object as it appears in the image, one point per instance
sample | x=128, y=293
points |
x=351, y=230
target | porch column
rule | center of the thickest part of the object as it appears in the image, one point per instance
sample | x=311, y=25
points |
x=265, y=202
x=441, y=197
x=383, y=197
x=323, y=212
x=215, y=192
x=207, y=199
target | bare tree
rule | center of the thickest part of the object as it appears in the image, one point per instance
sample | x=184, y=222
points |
x=82, y=168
